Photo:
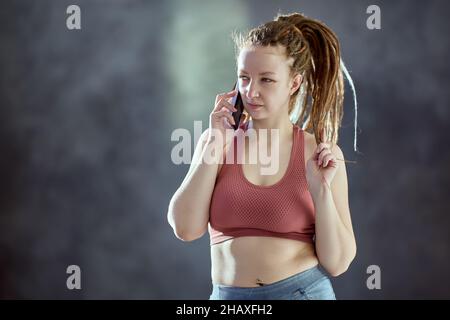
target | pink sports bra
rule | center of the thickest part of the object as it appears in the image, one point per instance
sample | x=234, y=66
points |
x=285, y=209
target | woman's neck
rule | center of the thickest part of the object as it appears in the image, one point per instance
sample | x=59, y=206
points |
x=284, y=126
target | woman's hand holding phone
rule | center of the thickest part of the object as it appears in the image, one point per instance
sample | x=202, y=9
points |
x=221, y=117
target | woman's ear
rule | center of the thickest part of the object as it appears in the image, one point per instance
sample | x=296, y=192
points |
x=296, y=82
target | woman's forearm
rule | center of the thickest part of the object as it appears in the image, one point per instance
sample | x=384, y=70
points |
x=335, y=244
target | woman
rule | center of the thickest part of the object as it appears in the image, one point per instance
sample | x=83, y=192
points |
x=278, y=235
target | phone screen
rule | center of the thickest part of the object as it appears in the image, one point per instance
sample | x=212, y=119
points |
x=237, y=103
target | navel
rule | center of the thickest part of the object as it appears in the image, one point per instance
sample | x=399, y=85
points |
x=259, y=282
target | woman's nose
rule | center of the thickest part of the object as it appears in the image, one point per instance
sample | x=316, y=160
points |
x=253, y=94
x=252, y=91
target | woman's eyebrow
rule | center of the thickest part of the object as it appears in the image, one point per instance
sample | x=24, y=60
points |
x=262, y=73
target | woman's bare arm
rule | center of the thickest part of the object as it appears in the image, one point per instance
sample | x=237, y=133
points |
x=188, y=212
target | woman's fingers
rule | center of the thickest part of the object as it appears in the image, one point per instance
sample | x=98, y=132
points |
x=322, y=155
x=226, y=95
x=229, y=106
x=224, y=104
x=322, y=146
x=221, y=100
x=225, y=114
x=329, y=159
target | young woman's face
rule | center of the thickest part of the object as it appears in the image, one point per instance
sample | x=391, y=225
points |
x=264, y=81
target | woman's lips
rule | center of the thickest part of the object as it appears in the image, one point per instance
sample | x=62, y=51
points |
x=254, y=106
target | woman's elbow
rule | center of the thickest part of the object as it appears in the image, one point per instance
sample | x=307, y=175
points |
x=336, y=270
x=189, y=236
x=185, y=234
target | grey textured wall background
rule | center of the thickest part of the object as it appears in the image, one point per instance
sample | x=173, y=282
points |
x=85, y=124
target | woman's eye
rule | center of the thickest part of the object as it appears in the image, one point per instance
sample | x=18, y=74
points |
x=263, y=79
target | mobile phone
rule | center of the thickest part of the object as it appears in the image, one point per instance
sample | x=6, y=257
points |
x=237, y=103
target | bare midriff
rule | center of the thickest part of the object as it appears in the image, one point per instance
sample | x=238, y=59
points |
x=254, y=261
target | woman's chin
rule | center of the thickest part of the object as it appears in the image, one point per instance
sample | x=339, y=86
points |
x=256, y=114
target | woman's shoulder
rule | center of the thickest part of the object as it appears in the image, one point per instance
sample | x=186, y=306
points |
x=310, y=144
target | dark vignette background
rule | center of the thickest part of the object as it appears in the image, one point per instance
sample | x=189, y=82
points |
x=85, y=142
